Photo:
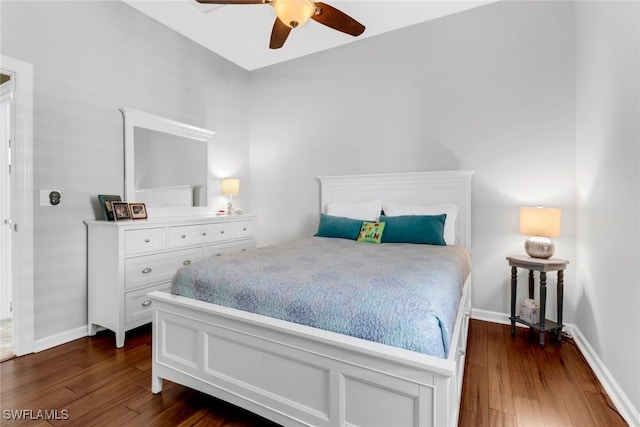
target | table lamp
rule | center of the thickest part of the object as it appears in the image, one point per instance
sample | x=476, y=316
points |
x=540, y=223
x=230, y=187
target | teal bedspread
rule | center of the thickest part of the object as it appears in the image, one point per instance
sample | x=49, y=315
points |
x=403, y=295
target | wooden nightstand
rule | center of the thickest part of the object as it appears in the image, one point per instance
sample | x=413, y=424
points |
x=542, y=266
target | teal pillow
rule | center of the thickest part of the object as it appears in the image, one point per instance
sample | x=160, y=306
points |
x=337, y=226
x=424, y=229
x=371, y=232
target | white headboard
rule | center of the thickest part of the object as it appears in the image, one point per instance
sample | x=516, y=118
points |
x=417, y=188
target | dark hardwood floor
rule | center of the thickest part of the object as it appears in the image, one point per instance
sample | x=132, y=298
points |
x=512, y=381
x=88, y=382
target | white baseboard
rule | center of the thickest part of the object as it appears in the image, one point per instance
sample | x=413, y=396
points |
x=490, y=316
x=59, y=339
x=617, y=395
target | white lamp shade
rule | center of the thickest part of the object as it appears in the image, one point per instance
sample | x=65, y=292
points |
x=294, y=13
x=230, y=186
x=539, y=221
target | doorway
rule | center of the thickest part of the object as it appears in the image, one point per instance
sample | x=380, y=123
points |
x=6, y=136
x=16, y=291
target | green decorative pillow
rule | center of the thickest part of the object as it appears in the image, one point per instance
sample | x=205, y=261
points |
x=371, y=232
x=340, y=227
x=424, y=229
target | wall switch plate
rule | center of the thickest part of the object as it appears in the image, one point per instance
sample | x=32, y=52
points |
x=49, y=199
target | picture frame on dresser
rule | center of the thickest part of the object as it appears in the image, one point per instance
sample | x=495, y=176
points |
x=121, y=210
x=105, y=201
x=138, y=210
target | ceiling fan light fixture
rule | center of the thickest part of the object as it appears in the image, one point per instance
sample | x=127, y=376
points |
x=294, y=13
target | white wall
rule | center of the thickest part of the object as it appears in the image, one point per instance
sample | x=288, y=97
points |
x=490, y=90
x=608, y=187
x=90, y=59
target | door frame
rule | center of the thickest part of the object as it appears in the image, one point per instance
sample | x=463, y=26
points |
x=6, y=132
x=22, y=202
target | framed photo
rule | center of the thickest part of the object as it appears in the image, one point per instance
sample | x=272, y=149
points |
x=105, y=201
x=121, y=210
x=138, y=210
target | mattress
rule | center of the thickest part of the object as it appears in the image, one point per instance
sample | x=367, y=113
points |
x=398, y=294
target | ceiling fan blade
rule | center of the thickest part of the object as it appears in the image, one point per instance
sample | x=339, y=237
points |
x=234, y=1
x=279, y=34
x=332, y=17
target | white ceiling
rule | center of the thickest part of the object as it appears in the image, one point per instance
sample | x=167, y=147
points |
x=240, y=33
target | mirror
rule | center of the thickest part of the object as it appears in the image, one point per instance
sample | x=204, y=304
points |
x=166, y=164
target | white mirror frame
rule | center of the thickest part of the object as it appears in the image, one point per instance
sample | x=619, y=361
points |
x=139, y=119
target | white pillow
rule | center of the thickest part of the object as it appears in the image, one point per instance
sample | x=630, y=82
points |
x=365, y=211
x=395, y=209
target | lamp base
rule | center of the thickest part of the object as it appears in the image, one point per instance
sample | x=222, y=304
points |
x=539, y=247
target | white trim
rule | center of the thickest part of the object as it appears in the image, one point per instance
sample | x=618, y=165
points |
x=22, y=205
x=611, y=386
x=491, y=316
x=6, y=133
x=59, y=339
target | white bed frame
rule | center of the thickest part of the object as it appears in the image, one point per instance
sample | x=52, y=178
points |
x=297, y=375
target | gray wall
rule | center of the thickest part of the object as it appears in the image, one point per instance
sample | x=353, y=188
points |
x=608, y=191
x=89, y=59
x=490, y=90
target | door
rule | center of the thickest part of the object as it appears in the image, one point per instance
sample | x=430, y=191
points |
x=17, y=202
x=6, y=129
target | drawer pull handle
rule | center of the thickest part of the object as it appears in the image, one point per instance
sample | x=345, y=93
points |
x=187, y=262
x=204, y=234
x=183, y=236
x=221, y=231
x=146, y=271
x=147, y=303
x=147, y=240
x=244, y=229
x=218, y=254
x=244, y=249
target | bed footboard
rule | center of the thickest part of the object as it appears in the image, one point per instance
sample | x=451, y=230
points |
x=296, y=375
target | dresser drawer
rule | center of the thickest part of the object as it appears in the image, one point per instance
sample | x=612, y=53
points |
x=151, y=269
x=220, y=232
x=183, y=236
x=138, y=305
x=225, y=248
x=242, y=229
x=189, y=235
x=146, y=240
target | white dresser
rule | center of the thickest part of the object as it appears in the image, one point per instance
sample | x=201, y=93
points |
x=129, y=259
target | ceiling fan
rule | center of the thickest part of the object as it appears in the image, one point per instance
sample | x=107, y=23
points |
x=294, y=13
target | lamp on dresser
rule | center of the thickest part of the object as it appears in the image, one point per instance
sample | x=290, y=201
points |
x=539, y=224
x=230, y=187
